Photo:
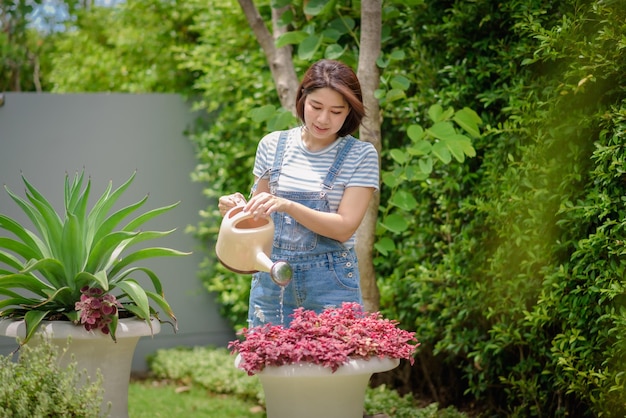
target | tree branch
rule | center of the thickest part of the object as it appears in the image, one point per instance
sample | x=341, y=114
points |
x=279, y=59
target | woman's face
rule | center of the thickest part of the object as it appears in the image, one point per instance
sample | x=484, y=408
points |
x=325, y=110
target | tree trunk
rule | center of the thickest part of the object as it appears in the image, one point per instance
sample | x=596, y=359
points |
x=279, y=59
x=371, y=24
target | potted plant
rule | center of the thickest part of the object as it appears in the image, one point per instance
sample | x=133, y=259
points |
x=75, y=275
x=321, y=364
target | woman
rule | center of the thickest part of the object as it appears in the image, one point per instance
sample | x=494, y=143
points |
x=316, y=182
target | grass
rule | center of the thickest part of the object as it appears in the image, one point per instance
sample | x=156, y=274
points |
x=162, y=399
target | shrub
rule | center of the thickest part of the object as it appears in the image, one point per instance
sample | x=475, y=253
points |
x=512, y=269
x=35, y=386
x=389, y=401
x=212, y=368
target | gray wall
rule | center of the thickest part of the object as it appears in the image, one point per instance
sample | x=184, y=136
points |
x=110, y=136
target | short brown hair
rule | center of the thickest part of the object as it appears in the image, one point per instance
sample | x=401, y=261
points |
x=341, y=78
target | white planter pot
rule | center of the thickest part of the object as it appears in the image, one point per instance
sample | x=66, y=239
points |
x=307, y=390
x=95, y=351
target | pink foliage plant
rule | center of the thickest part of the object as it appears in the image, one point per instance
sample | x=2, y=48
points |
x=329, y=339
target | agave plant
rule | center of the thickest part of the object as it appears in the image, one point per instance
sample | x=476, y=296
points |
x=79, y=267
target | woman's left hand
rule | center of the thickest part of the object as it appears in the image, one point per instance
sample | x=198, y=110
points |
x=264, y=204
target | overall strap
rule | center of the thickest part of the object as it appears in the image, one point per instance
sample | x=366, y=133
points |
x=335, y=169
x=278, y=161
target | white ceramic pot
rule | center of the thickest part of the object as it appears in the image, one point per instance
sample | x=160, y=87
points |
x=306, y=390
x=95, y=351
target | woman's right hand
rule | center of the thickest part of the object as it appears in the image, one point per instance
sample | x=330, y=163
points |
x=228, y=202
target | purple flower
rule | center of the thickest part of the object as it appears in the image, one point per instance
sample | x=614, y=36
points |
x=329, y=339
x=96, y=309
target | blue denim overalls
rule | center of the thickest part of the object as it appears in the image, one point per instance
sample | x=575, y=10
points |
x=325, y=272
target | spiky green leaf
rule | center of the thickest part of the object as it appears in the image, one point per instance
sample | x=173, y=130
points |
x=143, y=254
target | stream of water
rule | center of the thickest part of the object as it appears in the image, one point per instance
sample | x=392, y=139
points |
x=282, y=305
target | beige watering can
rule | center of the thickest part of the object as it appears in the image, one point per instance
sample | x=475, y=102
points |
x=244, y=244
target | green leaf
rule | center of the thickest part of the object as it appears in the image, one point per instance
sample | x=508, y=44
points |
x=262, y=114
x=145, y=217
x=156, y=283
x=115, y=320
x=107, y=224
x=381, y=62
x=137, y=295
x=42, y=215
x=397, y=55
x=460, y=146
x=27, y=237
x=456, y=152
x=309, y=46
x=17, y=301
x=398, y=155
x=26, y=282
x=291, y=38
x=334, y=51
x=434, y=112
x=415, y=132
x=76, y=203
x=61, y=297
x=441, y=130
x=101, y=251
x=419, y=173
x=51, y=269
x=277, y=4
x=162, y=303
x=72, y=190
x=87, y=279
x=391, y=180
x=343, y=24
x=281, y=120
x=440, y=150
x=403, y=200
x=395, y=223
x=469, y=120
x=19, y=248
x=315, y=7
x=394, y=94
x=425, y=165
x=331, y=35
x=108, y=200
x=385, y=245
x=32, y=320
x=420, y=148
x=400, y=82
x=144, y=254
x=72, y=249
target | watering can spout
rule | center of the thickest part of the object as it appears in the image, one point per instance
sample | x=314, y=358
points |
x=280, y=271
x=243, y=245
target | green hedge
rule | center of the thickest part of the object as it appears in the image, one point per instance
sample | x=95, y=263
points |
x=512, y=269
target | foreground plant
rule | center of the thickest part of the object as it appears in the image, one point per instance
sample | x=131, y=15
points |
x=330, y=339
x=78, y=267
x=36, y=385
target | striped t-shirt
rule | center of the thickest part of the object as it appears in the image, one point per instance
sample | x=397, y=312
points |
x=304, y=171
